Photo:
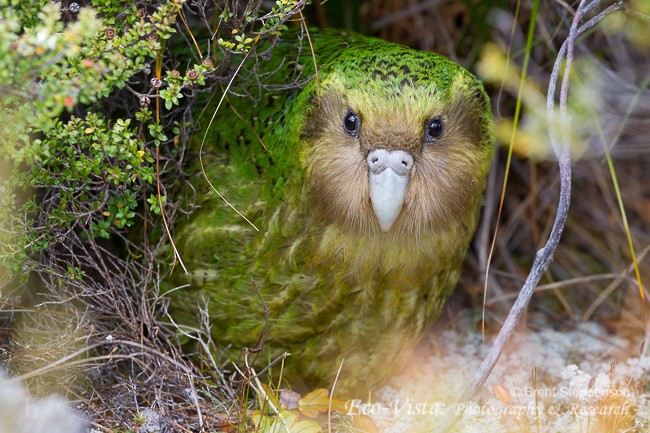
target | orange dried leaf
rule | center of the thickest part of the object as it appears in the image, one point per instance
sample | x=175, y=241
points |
x=364, y=423
x=339, y=406
x=502, y=393
x=318, y=401
x=315, y=402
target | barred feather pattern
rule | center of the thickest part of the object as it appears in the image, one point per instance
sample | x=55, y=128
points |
x=337, y=286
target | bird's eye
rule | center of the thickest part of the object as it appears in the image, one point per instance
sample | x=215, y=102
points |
x=351, y=123
x=434, y=129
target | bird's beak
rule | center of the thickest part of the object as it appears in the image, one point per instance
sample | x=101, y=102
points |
x=388, y=175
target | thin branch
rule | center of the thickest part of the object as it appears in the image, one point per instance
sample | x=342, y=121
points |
x=545, y=255
x=205, y=136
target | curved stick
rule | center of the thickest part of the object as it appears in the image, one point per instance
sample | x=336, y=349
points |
x=544, y=255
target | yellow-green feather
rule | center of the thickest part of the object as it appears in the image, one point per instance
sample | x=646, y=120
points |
x=336, y=288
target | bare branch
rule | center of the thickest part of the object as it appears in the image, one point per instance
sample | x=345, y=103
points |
x=545, y=255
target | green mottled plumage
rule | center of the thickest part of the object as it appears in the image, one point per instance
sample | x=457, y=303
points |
x=337, y=286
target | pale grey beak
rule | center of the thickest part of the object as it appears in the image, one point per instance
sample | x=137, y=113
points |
x=388, y=174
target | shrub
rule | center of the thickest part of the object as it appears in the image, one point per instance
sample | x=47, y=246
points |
x=96, y=109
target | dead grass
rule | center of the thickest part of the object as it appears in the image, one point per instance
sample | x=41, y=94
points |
x=106, y=342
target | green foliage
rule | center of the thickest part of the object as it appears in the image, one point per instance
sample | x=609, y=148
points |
x=76, y=155
x=98, y=172
x=95, y=122
x=88, y=169
x=271, y=23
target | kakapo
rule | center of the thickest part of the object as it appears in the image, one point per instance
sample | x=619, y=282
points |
x=365, y=183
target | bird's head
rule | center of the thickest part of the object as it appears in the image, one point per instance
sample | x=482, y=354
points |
x=395, y=140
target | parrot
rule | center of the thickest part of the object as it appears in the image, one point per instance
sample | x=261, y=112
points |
x=337, y=193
